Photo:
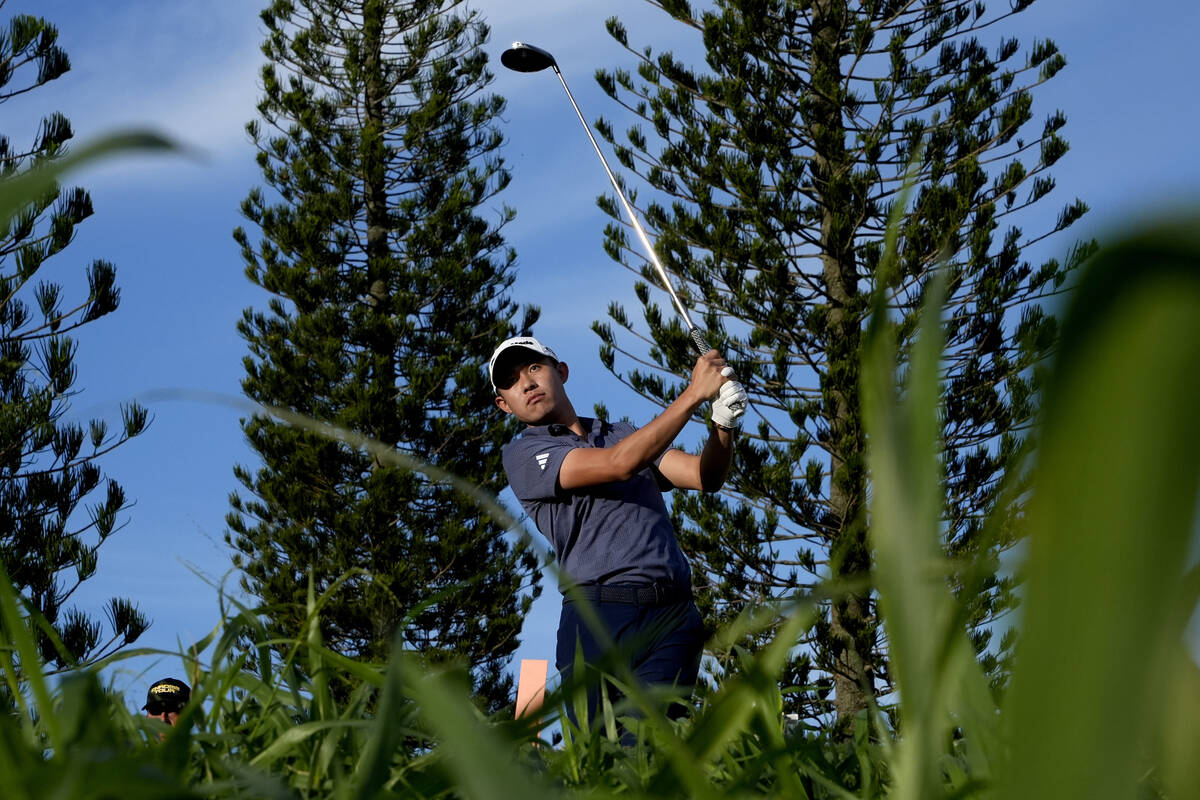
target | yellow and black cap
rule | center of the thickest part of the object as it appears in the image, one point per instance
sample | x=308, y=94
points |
x=167, y=695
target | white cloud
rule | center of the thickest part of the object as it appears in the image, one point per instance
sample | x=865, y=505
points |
x=189, y=70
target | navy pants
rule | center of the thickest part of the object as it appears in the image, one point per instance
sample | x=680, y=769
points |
x=660, y=645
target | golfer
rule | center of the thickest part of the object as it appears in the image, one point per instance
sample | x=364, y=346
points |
x=594, y=489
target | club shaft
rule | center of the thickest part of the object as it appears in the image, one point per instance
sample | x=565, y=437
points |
x=697, y=336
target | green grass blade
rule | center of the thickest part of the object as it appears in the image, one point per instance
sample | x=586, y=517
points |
x=288, y=740
x=1110, y=521
x=21, y=189
x=26, y=673
x=483, y=764
x=930, y=655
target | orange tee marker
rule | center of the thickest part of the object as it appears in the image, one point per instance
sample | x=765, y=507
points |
x=531, y=686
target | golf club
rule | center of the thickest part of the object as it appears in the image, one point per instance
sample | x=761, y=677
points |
x=522, y=57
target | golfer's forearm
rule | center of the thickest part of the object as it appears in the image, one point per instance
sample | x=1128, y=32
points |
x=715, y=459
x=589, y=466
x=638, y=450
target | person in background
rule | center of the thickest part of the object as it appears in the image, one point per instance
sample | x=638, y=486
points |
x=166, y=698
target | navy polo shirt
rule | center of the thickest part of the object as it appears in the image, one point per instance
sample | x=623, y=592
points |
x=611, y=533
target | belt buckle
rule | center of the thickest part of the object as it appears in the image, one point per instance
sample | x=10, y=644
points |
x=660, y=594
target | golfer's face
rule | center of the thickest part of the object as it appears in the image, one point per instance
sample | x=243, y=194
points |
x=530, y=390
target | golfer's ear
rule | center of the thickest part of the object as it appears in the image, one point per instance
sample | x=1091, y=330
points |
x=502, y=404
x=563, y=371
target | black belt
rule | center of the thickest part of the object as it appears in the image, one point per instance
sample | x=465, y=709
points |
x=653, y=595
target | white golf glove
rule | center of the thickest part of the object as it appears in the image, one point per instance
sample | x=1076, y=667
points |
x=730, y=405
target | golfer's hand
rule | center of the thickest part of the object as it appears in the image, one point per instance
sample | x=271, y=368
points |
x=708, y=374
x=730, y=405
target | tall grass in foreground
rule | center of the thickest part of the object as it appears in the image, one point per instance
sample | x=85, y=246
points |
x=1104, y=699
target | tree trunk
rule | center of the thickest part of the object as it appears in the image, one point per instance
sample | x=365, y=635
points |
x=850, y=614
x=375, y=200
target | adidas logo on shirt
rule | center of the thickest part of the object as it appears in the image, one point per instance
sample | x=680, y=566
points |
x=542, y=459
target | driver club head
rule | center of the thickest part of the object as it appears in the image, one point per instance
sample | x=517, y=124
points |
x=523, y=57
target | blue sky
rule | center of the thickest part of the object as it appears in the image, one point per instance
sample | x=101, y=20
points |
x=189, y=68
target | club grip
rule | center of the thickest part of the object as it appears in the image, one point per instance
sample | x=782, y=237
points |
x=702, y=347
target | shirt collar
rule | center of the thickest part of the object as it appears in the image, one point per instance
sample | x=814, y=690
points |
x=589, y=425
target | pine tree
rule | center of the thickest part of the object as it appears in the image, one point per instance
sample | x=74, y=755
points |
x=388, y=293
x=49, y=537
x=772, y=172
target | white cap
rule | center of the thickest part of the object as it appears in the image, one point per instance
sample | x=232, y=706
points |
x=525, y=343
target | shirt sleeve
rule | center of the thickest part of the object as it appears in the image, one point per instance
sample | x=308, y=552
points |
x=532, y=466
